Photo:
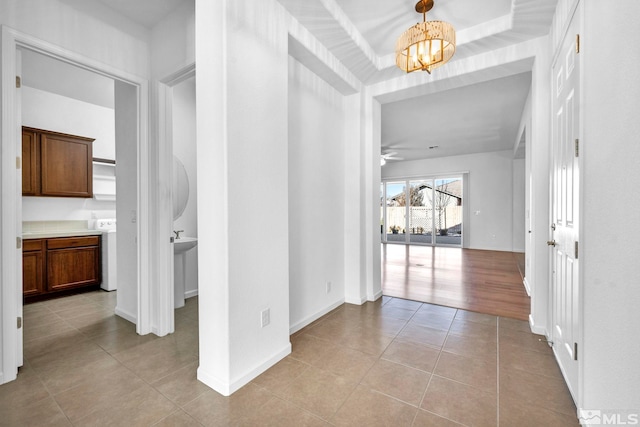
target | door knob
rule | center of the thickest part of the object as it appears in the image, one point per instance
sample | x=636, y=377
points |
x=551, y=242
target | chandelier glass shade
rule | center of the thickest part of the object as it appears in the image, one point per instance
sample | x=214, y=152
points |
x=426, y=45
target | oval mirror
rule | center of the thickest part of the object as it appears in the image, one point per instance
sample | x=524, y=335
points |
x=180, y=188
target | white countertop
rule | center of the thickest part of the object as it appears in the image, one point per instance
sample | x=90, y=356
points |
x=67, y=233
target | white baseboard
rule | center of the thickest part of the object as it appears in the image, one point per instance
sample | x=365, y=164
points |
x=527, y=288
x=191, y=294
x=536, y=329
x=356, y=301
x=127, y=316
x=376, y=296
x=226, y=389
x=310, y=319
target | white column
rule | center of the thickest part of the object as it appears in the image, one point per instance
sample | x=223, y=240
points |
x=243, y=258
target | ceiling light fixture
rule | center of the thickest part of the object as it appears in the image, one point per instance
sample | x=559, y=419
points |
x=426, y=45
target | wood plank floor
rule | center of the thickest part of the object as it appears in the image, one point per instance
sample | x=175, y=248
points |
x=483, y=281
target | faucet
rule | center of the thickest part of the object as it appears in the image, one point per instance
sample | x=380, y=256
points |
x=177, y=233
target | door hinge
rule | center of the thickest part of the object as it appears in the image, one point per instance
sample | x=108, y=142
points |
x=18, y=243
x=577, y=43
x=576, y=250
x=575, y=351
x=577, y=147
x=19, y=322
x=18, y=82
x=18, y=162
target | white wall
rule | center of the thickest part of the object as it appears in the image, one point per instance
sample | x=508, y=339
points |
x=45, y=110
x=173, y=41
x=127, y=200
x=87, y=27
x=537, y=119
x=316, y=196
x=49, y=111
x=489, y=188
x=184, y=148
x=518, y=210
x=610, y=156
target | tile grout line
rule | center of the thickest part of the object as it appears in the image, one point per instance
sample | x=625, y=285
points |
x=435, y=365
x=370, y=368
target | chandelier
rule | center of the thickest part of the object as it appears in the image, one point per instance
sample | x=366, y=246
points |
x=426, y=45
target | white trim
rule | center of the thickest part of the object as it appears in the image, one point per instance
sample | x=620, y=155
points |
x=536, y=329
x=226, y=389
x=191, y=294
x=11, y=41
x=180, y=75
x=310, y=319
x=164, y=126
x=422, y=176
x=125, y=315
x=527, y=288
x=145, y=234
x=11, y=280
x=376, y=296
x=356, y=301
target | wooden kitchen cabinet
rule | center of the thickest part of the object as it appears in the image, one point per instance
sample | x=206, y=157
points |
x=73, y=262
x=33, y=267
x=56, y=164
x=30, y=166
x=55, y=266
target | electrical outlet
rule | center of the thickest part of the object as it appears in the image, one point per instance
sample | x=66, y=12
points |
x=328, y=287
x=265, y=317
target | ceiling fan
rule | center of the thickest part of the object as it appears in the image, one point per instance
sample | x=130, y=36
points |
x=388, y=156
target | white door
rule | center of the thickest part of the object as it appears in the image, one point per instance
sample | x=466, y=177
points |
x=564, y=206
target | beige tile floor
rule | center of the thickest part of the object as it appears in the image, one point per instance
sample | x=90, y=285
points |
x=389, y=363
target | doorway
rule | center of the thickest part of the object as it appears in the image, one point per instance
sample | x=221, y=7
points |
x=131, y=120
x=185, y=187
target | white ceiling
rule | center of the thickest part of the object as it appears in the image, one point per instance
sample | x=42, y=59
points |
x=473, y=119
x=51, y=75
x=145, y=12
x=381, y=22
x=481, y=114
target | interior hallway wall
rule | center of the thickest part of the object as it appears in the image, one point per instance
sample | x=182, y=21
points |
x=610, y=175
x=518, y=211
x=316, y=196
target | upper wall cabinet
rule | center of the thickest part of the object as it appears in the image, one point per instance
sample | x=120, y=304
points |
x=55, y=164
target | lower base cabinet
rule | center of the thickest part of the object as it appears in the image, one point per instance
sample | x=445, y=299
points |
x=70, y=264
x=33, y=282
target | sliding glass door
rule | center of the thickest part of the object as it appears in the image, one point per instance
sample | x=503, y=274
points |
x=396, y=215
x=422, y=211
x=448, y=211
